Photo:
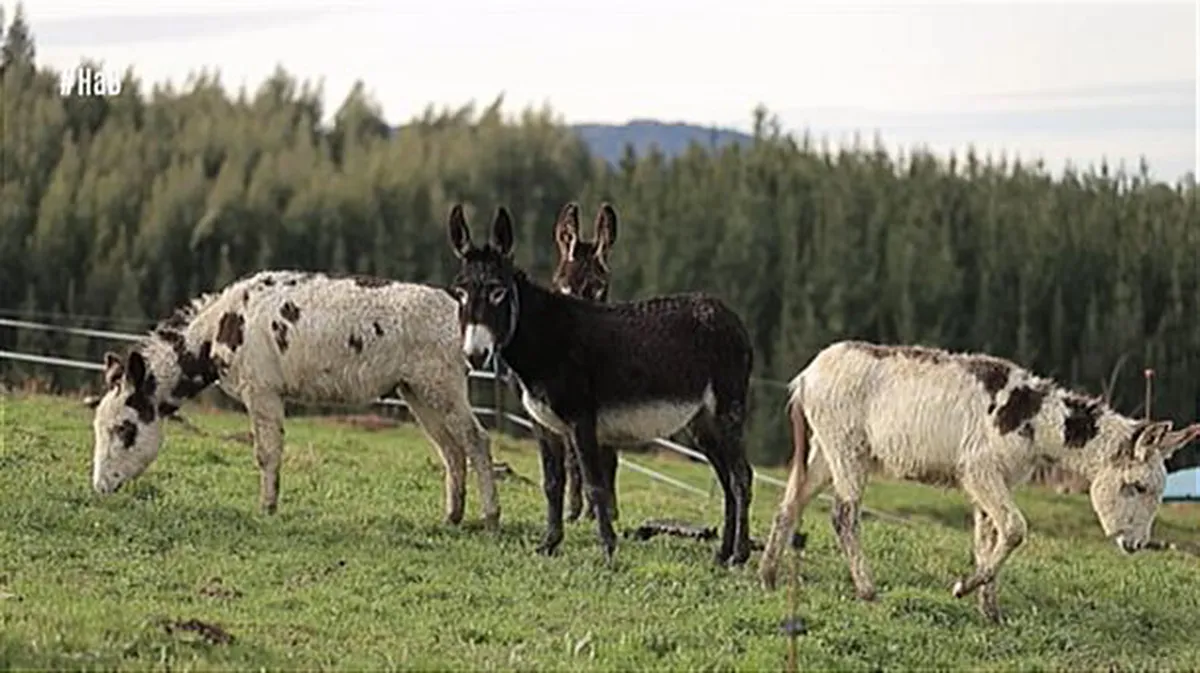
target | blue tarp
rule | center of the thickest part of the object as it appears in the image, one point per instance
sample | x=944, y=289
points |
x=1184, y=485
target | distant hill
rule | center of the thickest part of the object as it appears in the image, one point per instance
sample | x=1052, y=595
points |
x=608, y=140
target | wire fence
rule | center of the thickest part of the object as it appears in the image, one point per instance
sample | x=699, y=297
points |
x=499, y=384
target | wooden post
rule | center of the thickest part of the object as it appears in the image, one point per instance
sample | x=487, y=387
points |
x=1148, y=374
x=498, y=394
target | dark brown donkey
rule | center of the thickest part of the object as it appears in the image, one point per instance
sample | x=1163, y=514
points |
x=611, y=374
x=582, y=272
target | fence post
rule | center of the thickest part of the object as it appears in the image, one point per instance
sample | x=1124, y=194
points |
x=498, y=394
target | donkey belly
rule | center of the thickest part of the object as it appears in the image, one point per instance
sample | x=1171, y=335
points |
x=626, y=424
x=643, y=422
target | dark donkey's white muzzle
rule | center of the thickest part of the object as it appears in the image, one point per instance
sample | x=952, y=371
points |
x=478, y=345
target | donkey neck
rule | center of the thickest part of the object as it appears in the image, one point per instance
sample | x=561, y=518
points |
x=178, y=355
x=535, y=343
x=1083, y=440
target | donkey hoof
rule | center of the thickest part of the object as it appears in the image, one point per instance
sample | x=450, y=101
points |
x=549, y=545
x=865, y=595
x=452, y=519
x=959, y=590
x=767, y=577
x=491, y=522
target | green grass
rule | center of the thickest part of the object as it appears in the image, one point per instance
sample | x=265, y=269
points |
x=357, y=572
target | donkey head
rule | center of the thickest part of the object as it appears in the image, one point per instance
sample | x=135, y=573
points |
x=128, y=429
x=1129, y=484
x=583, y=265
x=484, y=287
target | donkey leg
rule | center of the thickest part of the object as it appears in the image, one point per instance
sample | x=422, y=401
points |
x=990, y=493
x=551, y=449
x=466, y=428
x=716, y=438
x=266, y=418
x=609, y=453
x=593, y=472
x=804, y=482
x=985, y=542
x=453, y=456
x=743, y=483
x=574, y=478
x=729, y=524
x=609, y=462
x=849, y=478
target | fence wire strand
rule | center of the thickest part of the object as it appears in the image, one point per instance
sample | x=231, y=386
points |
x=393, y=402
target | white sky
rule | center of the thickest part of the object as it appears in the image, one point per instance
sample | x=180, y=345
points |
x=1068, y=80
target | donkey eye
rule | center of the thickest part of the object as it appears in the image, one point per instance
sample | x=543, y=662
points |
x=497, y=295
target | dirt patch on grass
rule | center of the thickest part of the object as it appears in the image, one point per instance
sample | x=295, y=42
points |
x=213, y=634
x=216, y=588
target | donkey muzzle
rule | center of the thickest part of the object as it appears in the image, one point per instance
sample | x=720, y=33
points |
x=478, y=345
x=1127, y=544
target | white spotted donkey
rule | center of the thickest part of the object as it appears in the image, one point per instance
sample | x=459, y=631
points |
x=975, y=421
x=302, y=336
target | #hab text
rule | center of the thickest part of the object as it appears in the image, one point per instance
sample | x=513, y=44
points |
x=89, y=81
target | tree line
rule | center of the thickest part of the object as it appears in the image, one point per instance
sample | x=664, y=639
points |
x=122, y=208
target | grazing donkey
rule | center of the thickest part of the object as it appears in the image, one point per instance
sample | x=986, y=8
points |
x=611, y=374
x=582, y=271
x=299, y=335
x=980, y=422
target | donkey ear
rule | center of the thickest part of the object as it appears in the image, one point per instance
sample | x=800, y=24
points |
x=606, y=230
x=1173, y=441
x=502, y=232
x=135, y=369
x=566, y=229
x=460, y=234
x=1149, y=439
x=113, y=369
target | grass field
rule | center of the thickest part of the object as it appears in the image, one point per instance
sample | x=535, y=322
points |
x=357, y=572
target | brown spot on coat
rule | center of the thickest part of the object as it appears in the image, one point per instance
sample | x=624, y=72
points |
x=128, y=432
x=229, y=331
x=268, y=281
x=281, y=333
x=1023, y=404
x=991, y=372
x=378, y=328
x=356, y=343
x=919, y=353
x=370, y=281
x=290, y=312
x=1079, y=427
x=142, y=399
x=246, y=297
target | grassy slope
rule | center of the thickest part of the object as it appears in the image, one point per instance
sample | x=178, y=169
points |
x=357, y=572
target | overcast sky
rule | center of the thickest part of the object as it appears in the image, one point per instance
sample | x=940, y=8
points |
x=1071, y=80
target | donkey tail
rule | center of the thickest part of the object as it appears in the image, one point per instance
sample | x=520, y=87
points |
x=799, y=434
x=784, y=523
